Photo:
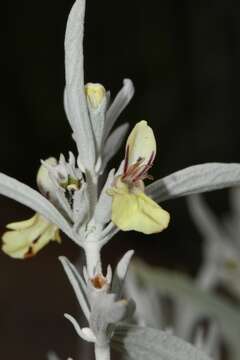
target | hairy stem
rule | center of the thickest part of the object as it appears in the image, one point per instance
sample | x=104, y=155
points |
x=93, y=259
x=102, y=352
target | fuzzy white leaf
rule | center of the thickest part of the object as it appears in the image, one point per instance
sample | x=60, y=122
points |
x=121, y=272
x=22, y=193
x=143, y=343
x=102, y=213
x=74, y=98
x=78, y=285
x=195, y=179
x=120, y=102
x=114, y=143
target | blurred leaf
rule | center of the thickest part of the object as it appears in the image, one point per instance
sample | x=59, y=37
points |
x=144, y=343
x=183, y=288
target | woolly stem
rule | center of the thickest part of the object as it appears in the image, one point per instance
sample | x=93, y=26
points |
x=93, y=259
x=102, y=352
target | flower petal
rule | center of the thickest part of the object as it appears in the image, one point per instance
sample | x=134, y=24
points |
x=138, y=212
x=141, y=144
x=28, y=237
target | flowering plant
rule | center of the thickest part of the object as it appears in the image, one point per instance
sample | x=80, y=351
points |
x=71, y=199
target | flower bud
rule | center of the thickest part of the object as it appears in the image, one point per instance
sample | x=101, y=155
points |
x=95, y=94
x=44, y=181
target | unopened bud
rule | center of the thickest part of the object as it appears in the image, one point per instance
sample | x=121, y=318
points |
x=95, y=94
x=44, y=181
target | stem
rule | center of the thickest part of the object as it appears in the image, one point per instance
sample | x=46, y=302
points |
x=102, y=352
x=93, y=260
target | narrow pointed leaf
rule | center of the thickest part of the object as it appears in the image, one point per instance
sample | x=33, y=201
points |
x=121, y=272
x=114, y=143
x=74, y=98
x=195, y=179
x=120, y=102
x=77, y=283
x=22, y=193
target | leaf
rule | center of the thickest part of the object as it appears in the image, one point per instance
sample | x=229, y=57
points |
x=102, y=212
x=74, y=97
x=120, y=102
x=22, y=193
x=114, y=143
x=182, y=288
x=144, y=343
x=121, y=272
x=78, y=285
x=195, y=179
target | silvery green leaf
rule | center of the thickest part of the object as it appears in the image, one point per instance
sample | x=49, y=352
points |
x=144, y=343
x=121, y=273
x=114, y=143
x=180, y=287
x=195, y=179
x=22, y=193
x=102, y=213
x=120, y=102
x=107, y=233
x=75, y=99
x=78, y=285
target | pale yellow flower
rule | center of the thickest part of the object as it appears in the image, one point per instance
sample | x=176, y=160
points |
x=27, y=238
x=131, y=208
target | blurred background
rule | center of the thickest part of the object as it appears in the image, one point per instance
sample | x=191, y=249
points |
x=183, y=58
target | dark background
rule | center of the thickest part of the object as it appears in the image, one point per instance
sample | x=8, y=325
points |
x=183, y=57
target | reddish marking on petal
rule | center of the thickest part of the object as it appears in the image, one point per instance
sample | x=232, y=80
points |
x=29, y=254
x=151, y=159
x=126, y=160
